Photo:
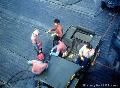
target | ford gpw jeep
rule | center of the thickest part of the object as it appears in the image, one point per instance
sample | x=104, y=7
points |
x=63, y=72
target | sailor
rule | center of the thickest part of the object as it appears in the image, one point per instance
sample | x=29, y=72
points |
x=38, y=66
x=84, y=54
x=59, y=50
x=37, y=44
x=58, y=29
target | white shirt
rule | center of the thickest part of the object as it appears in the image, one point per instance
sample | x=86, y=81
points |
x=86, y=52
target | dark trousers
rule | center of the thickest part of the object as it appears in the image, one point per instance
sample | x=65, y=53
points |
x=56, y=39
x=60, y=54
x=36, y=49
x=82, y=63
x=78, y=61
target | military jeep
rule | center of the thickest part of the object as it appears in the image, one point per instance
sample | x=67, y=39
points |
x=76, y=37
x=63, y=72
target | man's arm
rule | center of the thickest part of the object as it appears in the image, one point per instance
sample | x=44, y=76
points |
x=50, y=30
x=91, y=53
x=53, y=29
x=81, y=56
x=81, y=52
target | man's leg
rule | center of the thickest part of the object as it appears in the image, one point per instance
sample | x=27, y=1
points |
x=36, y=48
x=56, y=39
x=60, y=54
x=53, y=49
x=36, y=83
x=84, y=63
x=78, y=61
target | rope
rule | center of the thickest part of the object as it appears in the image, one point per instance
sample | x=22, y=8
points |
x=109, y=25
x=104, y=65
x=104, y=36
